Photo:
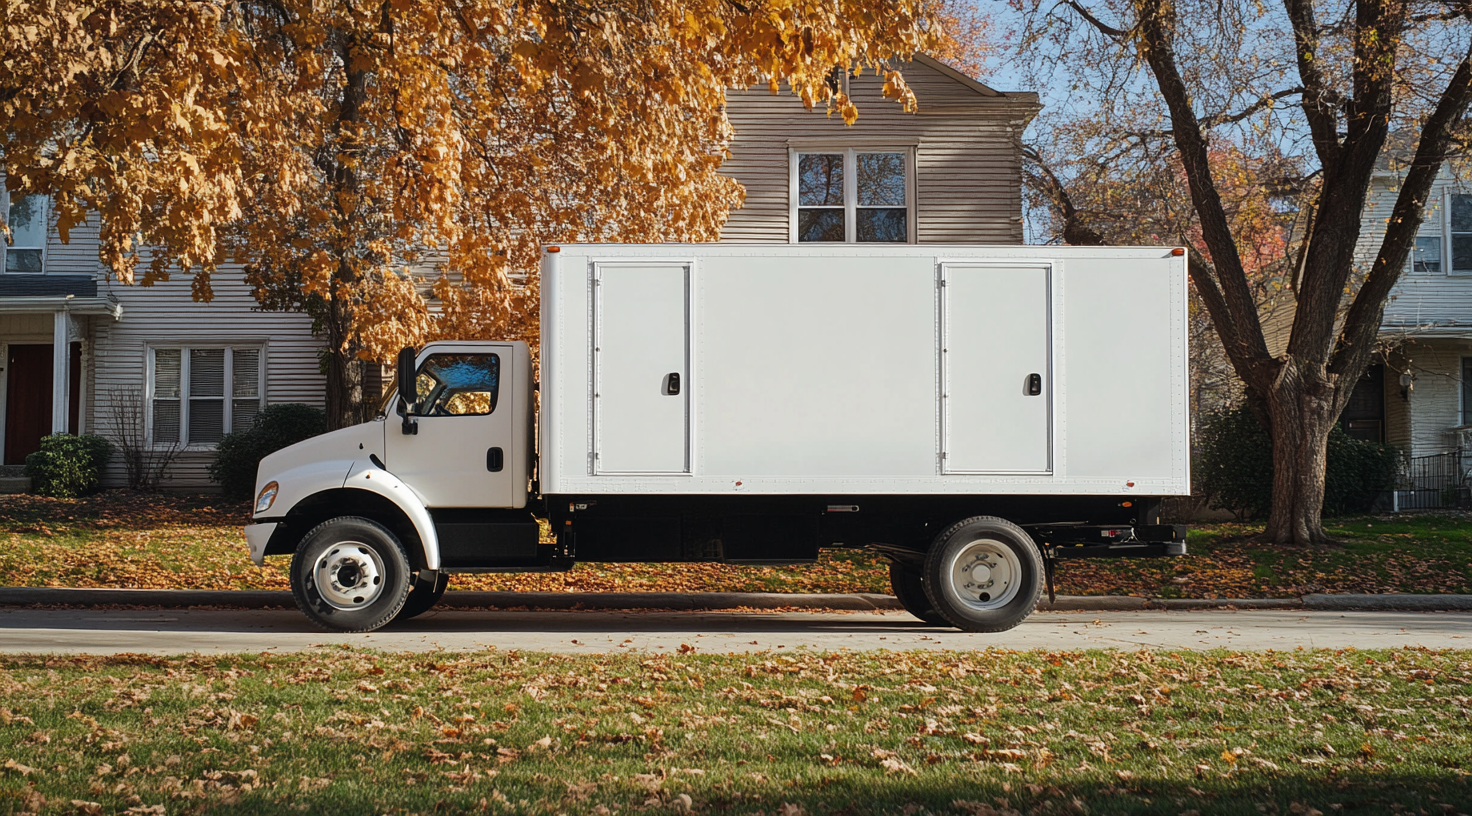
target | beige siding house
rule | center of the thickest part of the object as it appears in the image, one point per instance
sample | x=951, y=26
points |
x=80, y=350
x=951, y=172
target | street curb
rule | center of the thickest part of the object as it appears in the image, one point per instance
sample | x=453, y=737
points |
x=711, y=601
x=469, y=599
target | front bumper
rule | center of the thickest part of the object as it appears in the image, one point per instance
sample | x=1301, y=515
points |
x=258, y=536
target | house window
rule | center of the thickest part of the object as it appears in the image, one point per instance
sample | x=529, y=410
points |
x=1460, y=233
x=1426, y=258
x=199, y=394
x=854, y=196
x=1467, y=390
x=25, y=250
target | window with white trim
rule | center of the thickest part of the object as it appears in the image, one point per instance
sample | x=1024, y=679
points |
x=1426, y=257
x=854, y=195
x=1459, y=233
x=200, y=393
x=26, y=248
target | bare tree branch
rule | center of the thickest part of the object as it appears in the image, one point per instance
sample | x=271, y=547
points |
x=1243, y=338
x=1104, y=28
x=1318, y=100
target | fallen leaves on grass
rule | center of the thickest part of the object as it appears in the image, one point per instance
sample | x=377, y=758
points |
x=162, y=541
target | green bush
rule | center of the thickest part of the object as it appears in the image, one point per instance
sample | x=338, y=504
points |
x=1233, y=467
x=275, y=427
x=68, y=466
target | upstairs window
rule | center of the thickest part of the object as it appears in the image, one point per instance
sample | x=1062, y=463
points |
x=852, y=196
x=1459, y=233
x=1426, y=257
x=200, y=394
x=25, y=250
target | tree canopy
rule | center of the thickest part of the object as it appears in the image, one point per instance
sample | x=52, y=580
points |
x=334, y=147
x=1251, y=132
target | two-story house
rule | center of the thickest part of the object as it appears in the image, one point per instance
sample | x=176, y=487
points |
x=1420, y=398
x=80, y=349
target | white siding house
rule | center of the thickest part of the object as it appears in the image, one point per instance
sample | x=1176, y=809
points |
x=1428, y=322
x=77, y=346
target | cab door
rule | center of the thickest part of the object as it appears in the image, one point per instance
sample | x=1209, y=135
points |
x=460, y=455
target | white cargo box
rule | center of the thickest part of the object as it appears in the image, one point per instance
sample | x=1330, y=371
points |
x=863, y=369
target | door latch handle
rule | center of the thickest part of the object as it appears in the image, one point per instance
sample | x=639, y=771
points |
x=495, y=460
x=672, y=384
x=1034, y=384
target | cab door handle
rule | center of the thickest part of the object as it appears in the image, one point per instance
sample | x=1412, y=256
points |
x=495, y=460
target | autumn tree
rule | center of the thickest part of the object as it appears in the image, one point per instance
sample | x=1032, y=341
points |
x=352, y=155
x=1300, y=99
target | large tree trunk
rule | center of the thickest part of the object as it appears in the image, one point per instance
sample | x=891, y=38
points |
x=345, y=403
x=344, y=369
x=1301, y=409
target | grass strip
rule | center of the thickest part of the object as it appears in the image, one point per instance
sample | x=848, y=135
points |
x=353, y=731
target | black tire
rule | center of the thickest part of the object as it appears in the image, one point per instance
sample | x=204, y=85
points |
x=1010, y=585
x=366, y=568
x=909, y=588
x=423, y=595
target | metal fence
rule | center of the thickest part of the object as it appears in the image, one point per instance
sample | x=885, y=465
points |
x=1437, y=482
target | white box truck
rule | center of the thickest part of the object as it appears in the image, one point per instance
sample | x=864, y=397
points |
x=974, y=413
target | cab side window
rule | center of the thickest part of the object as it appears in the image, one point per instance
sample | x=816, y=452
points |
x=458, y=384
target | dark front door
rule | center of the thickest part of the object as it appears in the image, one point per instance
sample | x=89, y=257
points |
x=27, y=401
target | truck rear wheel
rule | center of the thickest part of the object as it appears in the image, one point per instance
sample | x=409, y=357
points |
x=423, y=595
x=983, y=574
x=350, y=574
x=909, y=589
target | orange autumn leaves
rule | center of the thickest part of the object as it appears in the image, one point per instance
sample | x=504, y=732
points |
x=383, y=156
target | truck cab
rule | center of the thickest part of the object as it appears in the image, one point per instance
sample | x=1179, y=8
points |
x=440, y=482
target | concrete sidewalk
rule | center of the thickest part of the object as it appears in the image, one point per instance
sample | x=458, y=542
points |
x=709, y=601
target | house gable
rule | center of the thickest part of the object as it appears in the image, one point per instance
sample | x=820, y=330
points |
x=963, y=142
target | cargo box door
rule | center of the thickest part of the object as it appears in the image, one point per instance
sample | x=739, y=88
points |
x=996, y=376
x=641, y=393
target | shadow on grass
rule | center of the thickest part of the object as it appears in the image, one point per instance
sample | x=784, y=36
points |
x=972, y=790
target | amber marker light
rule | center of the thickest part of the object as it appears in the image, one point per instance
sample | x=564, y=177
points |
x=554, y=249
x=1178, y=251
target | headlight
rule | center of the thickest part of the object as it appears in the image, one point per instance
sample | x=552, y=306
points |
x=267, y=497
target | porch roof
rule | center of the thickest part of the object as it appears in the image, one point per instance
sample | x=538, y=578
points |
x=108, y=306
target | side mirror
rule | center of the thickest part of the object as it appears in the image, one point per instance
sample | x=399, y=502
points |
x=408, y=394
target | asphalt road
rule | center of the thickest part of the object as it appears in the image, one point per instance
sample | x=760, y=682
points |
x=174, y=631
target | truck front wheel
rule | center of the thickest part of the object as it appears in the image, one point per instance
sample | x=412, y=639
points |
x=983, y=574
x=425, y=593
x=350, y=574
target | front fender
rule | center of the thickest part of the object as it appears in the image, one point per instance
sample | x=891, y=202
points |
x=367, y=476
x=311, y=481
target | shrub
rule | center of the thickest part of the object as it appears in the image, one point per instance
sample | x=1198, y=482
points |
x=275, y=427
x=1234, y=467
x=68, y=466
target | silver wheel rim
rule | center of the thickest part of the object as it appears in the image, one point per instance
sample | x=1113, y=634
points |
x=349, y=575
x=984, y=574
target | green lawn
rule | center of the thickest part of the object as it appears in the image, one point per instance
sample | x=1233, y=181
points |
x=349, y=731
x=119, y=539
